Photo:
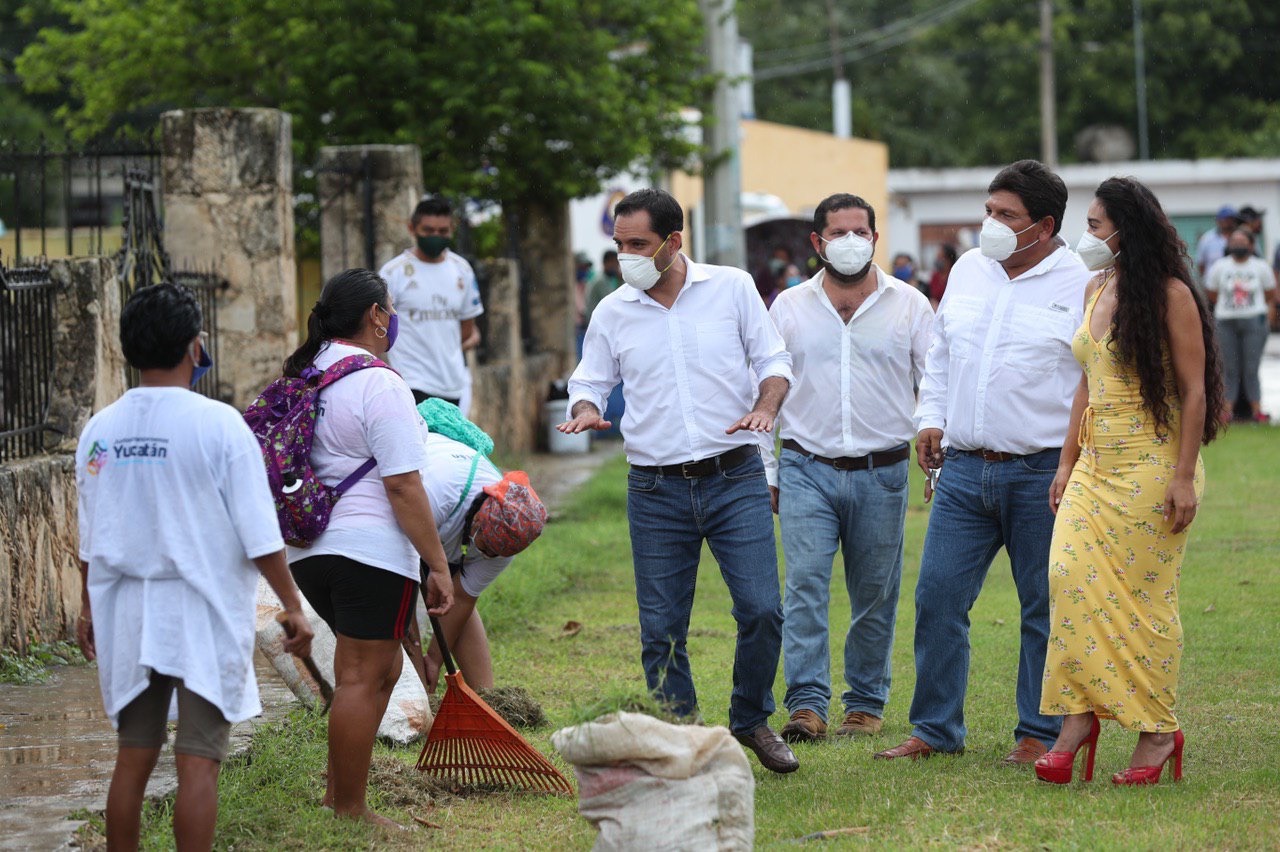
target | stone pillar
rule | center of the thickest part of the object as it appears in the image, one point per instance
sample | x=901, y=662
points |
x=366, y=195
x=498, y=394
x=228, y=206
x=89, y=367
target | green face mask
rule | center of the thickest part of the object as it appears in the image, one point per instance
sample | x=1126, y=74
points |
x=433, y=246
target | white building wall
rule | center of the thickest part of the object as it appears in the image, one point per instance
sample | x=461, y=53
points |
x=919, y=197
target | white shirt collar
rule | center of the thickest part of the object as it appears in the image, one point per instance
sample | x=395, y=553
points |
x=693, y=273
x=1049, y=263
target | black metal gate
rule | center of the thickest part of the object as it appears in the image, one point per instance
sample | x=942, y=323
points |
x=28, y=315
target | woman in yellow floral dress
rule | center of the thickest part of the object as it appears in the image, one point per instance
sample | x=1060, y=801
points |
x=1127, y=488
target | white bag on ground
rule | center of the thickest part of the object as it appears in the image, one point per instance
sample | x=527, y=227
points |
x=646, y=784
x=408, y=715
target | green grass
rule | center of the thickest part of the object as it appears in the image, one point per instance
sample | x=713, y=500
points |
x=581, y=571
x=33, y=666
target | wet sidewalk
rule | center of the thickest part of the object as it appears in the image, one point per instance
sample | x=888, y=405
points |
x=57, y=749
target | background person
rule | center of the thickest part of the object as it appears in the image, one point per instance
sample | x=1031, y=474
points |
x=437, y=295
x=1242, y=289
x=361, y=575
x=1127, y=487
x=994, y=403
x=174, y=516
x=680, y=338
x=942, y=264
x=1212, y=244
x=858, y=339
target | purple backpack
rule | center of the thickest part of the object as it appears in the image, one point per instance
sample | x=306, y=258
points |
x=283, y=419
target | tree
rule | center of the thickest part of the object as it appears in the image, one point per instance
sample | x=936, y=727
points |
x=949, y=83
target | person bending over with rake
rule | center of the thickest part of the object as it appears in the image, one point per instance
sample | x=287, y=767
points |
x=174, y=515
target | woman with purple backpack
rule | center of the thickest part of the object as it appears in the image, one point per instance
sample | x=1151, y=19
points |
x=361, y=573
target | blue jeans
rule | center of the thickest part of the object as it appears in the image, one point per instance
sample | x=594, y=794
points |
x=980, y=506
x=669, y=517
x=863, y=513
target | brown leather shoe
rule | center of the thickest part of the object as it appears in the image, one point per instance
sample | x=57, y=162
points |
x=773, y=753
x=805, y=727
x=1028, y=750
x=914, y=749
x=859, y=724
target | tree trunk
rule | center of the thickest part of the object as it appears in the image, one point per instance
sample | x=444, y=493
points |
x=546, y=271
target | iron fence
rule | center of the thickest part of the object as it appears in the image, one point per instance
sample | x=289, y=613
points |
x=27, y=320
x=62, y=200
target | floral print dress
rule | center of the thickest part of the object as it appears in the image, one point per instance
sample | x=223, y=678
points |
x=1115, y=638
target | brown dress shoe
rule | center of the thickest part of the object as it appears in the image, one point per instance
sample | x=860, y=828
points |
x=1028, y=750
x=859, y=724
x=805, y=727
x=914, y=749
x=773, y=753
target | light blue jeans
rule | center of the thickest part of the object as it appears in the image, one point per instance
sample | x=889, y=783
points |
x=862, y=512
x=670, y=517
x=979, y=507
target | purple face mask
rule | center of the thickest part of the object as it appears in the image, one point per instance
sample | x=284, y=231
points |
x=393, y=329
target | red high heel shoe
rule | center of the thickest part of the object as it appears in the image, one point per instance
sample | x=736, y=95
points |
x=1056, y=767
x=1151, y=774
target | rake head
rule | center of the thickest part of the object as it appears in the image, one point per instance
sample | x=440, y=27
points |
x=471, y=744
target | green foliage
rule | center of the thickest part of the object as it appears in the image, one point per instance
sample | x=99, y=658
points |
x=33, y=666
x=966, y=90
x=509, y=99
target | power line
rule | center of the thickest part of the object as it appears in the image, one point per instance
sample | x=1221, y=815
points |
x=876, y=41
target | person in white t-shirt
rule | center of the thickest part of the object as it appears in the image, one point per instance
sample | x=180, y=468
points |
x=174, y=515
x=494, y=517
x=361, y=575
x=1212, y=245
x=438, y=298
x=1242, y=290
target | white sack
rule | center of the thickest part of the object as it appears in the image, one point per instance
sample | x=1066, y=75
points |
x=646, y=784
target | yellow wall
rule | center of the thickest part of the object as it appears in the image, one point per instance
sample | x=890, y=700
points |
x=802, y=167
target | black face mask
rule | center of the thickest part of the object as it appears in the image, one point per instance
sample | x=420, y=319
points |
x=1239, y=253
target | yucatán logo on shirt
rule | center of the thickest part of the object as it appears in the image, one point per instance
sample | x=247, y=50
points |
x=140, y=451
x=97, y=458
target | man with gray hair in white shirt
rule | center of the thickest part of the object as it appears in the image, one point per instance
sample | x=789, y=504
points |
x=684, y=339
x=994, y=405
x=858, y=340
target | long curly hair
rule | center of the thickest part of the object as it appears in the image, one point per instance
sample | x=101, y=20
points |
x=1151, y=253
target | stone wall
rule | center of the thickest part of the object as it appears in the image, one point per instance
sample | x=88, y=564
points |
x=39, y=541
x=228, y=205
x=391, y=175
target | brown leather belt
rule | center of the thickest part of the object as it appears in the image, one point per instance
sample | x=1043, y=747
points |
x=991, y=455
x=882, y=458
x=705, y=467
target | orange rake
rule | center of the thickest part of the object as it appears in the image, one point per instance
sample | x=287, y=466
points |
x=470, y=743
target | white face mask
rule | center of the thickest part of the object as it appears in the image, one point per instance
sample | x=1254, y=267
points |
x=1095, y=253
x=1000, y=242
x=850, y=253
x=641, y=271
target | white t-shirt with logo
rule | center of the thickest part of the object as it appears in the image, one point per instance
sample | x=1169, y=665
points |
x=1240, y=287
x=432, y=299
x=173, y=507
x=448, y=467
x=363, y=415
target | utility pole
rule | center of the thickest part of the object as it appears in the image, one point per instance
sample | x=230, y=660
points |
x=1048, y=105
x=722, y=179
x=1140, y=81
x=841, y=91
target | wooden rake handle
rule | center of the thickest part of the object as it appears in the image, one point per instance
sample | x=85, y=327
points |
x=326, y=691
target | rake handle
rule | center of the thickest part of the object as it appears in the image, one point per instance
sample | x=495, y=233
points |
x=444, y=646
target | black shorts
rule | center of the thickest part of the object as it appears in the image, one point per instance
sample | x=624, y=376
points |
x=420, y=397
x=355, y=599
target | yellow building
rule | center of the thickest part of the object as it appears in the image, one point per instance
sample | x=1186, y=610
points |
x=802, y=167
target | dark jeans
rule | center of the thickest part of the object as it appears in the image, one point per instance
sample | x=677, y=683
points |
x=670, y=517
x=979, y=507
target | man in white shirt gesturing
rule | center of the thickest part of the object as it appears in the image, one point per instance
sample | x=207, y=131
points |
x=435, y=292
x=994, y=403
x=683, y=338
x=858, y=340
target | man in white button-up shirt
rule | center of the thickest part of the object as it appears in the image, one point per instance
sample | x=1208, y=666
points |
x=684, y=338
x=994, y=403
x=858, y=340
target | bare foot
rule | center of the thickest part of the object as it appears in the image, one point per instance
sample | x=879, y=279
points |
x=373, y=819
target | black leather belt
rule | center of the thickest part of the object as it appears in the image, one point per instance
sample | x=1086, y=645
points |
x=705, y=467
x=990, y=455
x=882, y=458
